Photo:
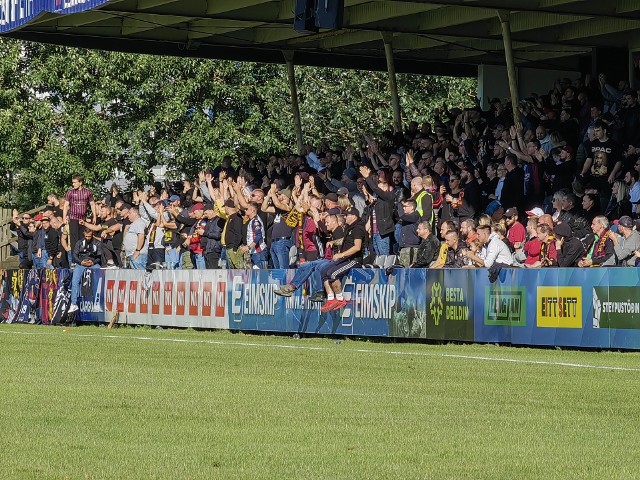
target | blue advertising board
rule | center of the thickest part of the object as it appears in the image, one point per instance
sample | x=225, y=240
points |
x=17, y=13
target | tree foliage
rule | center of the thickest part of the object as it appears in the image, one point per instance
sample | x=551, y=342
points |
x=66, y=111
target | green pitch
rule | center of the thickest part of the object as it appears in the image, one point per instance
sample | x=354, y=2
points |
x=139, y=403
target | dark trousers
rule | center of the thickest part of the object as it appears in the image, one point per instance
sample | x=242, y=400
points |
x=75, y=233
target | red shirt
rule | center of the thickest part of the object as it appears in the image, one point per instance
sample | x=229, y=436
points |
x=516, y=234
x=79, y=200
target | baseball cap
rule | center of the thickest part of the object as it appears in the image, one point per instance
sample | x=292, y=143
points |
x=352, y=211
x=343, y=191
x=331, y=196
x=626, y=221
x=197, y=206
x=535, y=212
x=173, y=198
x=38, y=217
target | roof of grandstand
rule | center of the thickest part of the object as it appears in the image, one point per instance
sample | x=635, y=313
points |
x=438, y=37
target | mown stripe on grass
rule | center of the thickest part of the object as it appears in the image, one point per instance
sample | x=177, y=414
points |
x=359, y=350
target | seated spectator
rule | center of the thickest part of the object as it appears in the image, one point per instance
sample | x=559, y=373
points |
x=496, y=252
x=601, y=252
x=516, y=233
x=428, y=248
x=455, y=253
x=548, y=254
x=625, y=245
x=570, y=249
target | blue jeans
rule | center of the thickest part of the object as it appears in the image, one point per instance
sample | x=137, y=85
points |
x=381, y=245
x=197, y=260
x=139, y=263
x=259, y=259
x=41, y=262
x=173, y=258
x=280, y=252
x=76, y=279
x=305, y=271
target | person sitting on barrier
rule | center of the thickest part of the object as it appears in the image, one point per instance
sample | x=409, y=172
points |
x=548, y=253
x=570, y=249
x=601, y=251
x=312, y=269
x=625, y=246
x=349, y=256
x=87, y=254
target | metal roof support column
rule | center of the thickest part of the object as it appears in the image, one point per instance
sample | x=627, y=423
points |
x=293, y=89
x=393, y=86
x=503, y=15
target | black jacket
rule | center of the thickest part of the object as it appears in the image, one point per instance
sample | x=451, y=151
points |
x=513, y=190
x=383, y=208
x=427, y=252
x=571, y=252
x=233, y=232
x=88, y=251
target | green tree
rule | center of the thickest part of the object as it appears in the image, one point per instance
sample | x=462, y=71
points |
x=66, y=111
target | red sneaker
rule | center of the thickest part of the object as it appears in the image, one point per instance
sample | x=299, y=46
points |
x=328, y=306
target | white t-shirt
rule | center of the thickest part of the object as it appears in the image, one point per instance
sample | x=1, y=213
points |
x=130, y=240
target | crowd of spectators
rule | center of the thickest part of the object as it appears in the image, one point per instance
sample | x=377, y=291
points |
x=556, y=187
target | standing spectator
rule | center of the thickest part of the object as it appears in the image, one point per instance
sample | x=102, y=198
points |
x=409, y=235
x=77, y=201
x=51, y=240
x=232, y=235
x=513, y=189
x=211, y=237
x=134, y=244
x=382, y=226
x=255, y=240
x=277, y=203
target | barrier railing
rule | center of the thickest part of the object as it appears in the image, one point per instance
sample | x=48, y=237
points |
x=597, y=307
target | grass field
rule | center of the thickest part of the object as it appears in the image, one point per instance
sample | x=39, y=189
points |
x=138, y=403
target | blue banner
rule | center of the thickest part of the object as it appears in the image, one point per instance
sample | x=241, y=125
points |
x=590, y=307
x=17, y=13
